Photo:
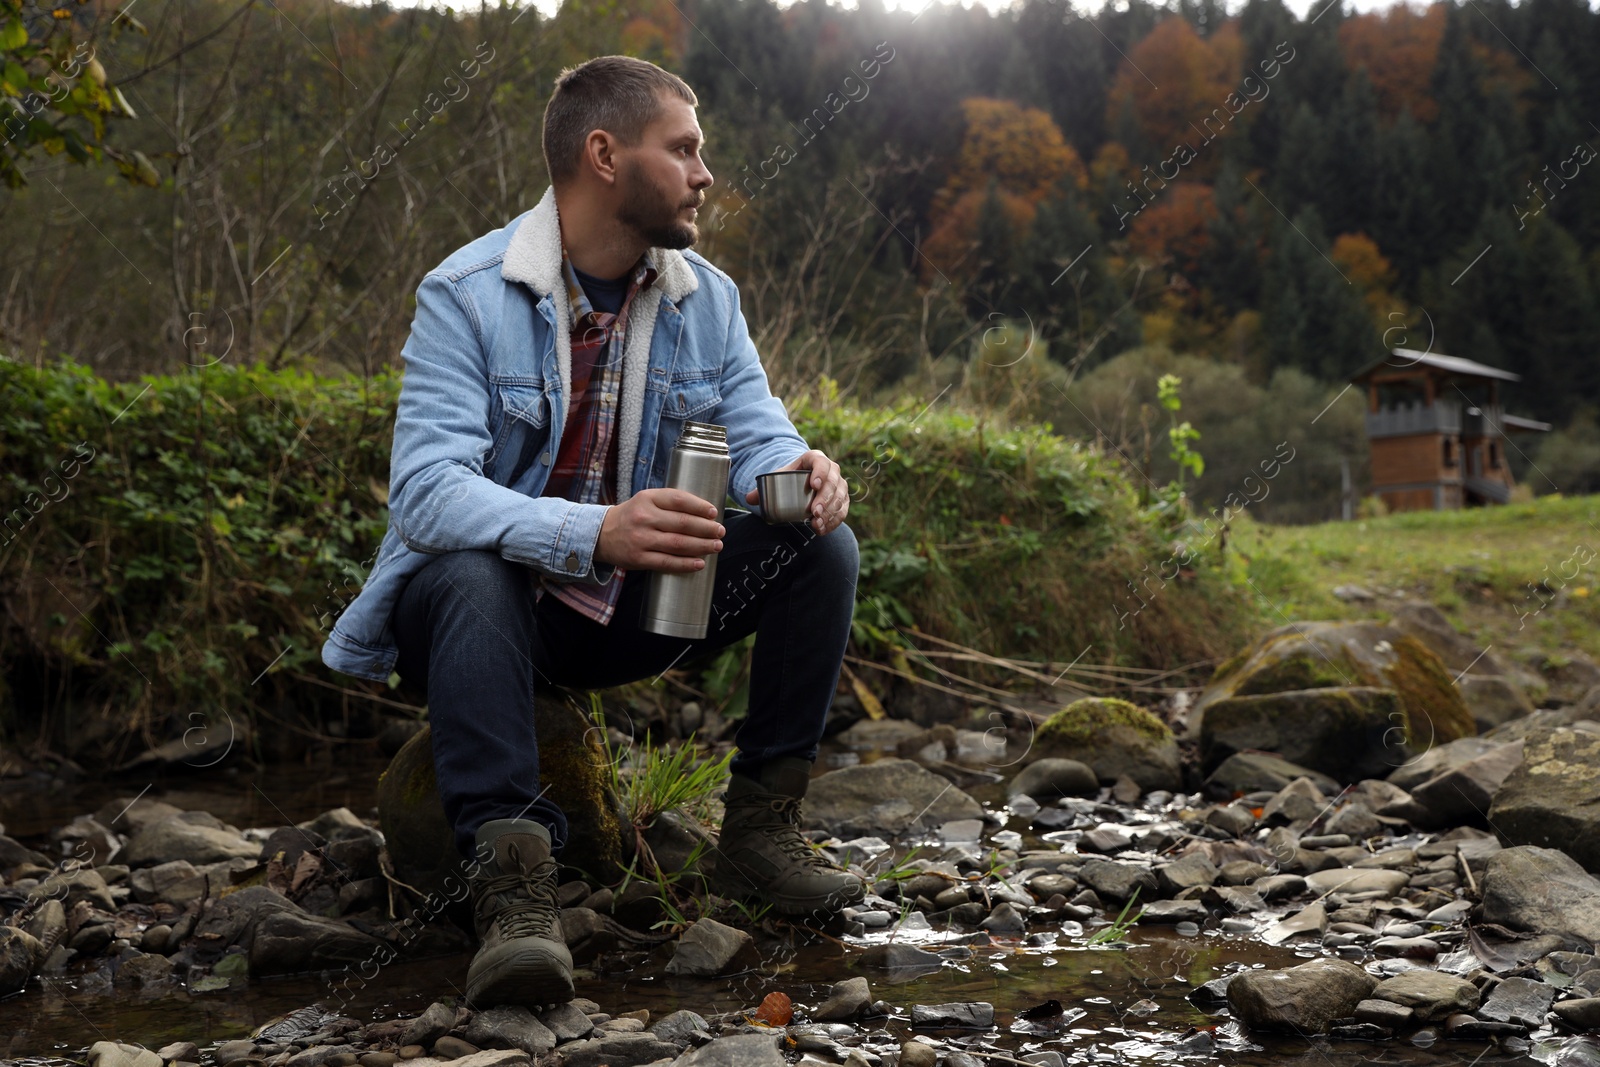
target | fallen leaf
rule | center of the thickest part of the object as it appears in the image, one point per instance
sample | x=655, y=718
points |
x=776, y=1010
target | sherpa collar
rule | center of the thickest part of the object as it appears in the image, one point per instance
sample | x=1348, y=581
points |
x=534, y=257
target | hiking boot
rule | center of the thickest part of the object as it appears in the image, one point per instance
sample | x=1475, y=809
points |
x=522, y=957
x=761, y=855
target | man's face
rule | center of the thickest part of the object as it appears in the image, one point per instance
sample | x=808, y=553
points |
x=662, y=180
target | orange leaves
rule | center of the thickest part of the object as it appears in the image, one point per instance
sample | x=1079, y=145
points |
x=1175, y=225
x=776, y=1010
x=1399, y=48
x=1183, y=79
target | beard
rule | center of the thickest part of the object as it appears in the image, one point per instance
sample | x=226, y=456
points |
x=656, y=217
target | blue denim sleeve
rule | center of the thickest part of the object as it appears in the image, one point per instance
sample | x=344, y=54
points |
x=439, y=498
x=760, y=436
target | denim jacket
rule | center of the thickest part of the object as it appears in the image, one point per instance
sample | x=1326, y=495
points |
x=485, y=395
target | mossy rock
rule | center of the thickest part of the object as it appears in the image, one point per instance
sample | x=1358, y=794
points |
x=1334, y=655
x=571, y=765
x=1346, y=732
x=1115, y=738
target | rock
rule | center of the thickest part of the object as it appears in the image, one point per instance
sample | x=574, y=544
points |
x=1413, y=772
x=886, y=796
x=229, y=1051
x=880, y=733
x=315, y=1056
x=430, y=1026
x=510, y=1026
x=1116, y=738
x=85, y=839
x=117, y=1054
x=1350, y=880
x=1188, y=871
x=1462, y=794
x=1050, y=779
x=572, y=767
x=1493, y=699
x=1518, y=1000
x=1298, y=802
x=1455, y=650
x=1303, y=999
x=918, y=1054
x=1384, y=1013
x=1172, y=912
x=847, y=1001
x=737, y=1050
x=1582, y=1014
x=294, y=941
x=1430, y=994
x=21, y=955
x=72, y=886
x=144, y=970
x=677, y=1026
x=1005, y=921
x=620, y=1050
x=330, y=822
x=488, y=1058
x=1234, y=820
x=977, y=1015
x=709, y=948
x=1117, y=881
x=190, y=835
x=899, y=957
x=1352, y=593
x=1552, y=798
x=1346, y=732
x=176, y=883
x=1541, y=889
x=1107, y=841
x=14, y=853
x=1256, y=772
x=453, y=1048
x=566, y=1022
x=129, y=815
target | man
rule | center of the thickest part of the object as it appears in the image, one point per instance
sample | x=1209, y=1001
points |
x=551, y=366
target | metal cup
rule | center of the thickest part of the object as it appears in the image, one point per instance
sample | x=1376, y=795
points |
x=785, y=496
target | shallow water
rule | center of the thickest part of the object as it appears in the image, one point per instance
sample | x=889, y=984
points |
x=1132, y=999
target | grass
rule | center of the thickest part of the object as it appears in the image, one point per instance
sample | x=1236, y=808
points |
x=1108, y=935
x=1513, y=576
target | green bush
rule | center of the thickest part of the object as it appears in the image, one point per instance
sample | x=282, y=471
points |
x=214, y=523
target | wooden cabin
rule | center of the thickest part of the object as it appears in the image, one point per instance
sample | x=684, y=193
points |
x=1437, y=431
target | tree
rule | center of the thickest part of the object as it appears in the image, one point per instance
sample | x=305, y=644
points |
x=1174, y=81
x=1313, y=316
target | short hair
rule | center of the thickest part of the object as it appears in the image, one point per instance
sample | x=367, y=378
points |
x=619, y=94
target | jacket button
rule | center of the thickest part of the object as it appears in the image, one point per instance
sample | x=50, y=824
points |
x=572, y=561
x=544, y=457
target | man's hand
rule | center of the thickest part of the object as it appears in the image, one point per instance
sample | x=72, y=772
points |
x=831, y=501
x=659, y=530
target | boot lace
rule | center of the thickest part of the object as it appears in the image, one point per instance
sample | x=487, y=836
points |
x=521, y=904
x=786, y=835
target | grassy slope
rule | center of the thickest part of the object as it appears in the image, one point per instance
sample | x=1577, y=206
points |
x=1475, y=565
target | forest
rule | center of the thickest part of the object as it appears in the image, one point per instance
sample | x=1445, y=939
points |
x=1046, y=209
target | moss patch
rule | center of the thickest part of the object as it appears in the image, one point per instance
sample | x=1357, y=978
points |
x=1078, y=723
x=1306, y=668
x=1435, y=712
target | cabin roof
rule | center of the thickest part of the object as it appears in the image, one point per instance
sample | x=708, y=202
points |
x=1517, y=422
x=1403, y=358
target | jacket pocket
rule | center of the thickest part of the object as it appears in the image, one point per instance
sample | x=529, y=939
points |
x=522, y=410
x=688, y=398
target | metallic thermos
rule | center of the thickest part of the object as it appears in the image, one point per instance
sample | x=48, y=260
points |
x=679, y=605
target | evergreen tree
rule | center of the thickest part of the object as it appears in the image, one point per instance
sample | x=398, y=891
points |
x=991, y=285
x=1404, y=204
x=1230, y=269
x=1313, y=318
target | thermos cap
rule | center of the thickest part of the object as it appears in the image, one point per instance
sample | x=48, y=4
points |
x=704, y=437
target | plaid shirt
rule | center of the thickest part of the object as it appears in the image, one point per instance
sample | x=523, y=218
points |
x=585, y=468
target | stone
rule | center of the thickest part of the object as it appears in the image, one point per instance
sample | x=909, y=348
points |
x=1345, y=732
x=879, y=733
x=1384, y=1013
x=21, y=955
x=1543, y=890
x=677, y=1026
x=1050, y=779
x=430, y=1026
x=1350, y=880
x=1493, y=699
x=737, y=1050
x=1462, y=794
x=1582, y=1014
x=887, y=796
x=72, y=886
x=187, y=1051
x=847, y=1001
x=1117, y=881
x=1307, y=656
x=918, y=1054
x=1355, y=820
x=710, y=948
x=1440, y=758
x=1004, y=921
x=566, y=1022
x=510, y=1026
x=1298, y=802
x=117, y=1054
x=292, y=941
x=177, y=883
x=975, y=1015
x=1115, y=738
x=1430, y=994
x=900, y=958
x=1190, y=870
x=1172, y=912
x=1259, y=772
x=128, y=815
x=1552, y=799
x=144, y=970
x=229, y=1051
x=315, y=1056
x=618, y=1050
x=191, y=835
x=1304, y=999
x=14, y=853
x=1519, y=1000
x=453, y=1048
x=572, y=766
x=488, y=1058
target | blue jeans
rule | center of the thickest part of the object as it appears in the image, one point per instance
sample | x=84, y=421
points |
x=471, y=637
